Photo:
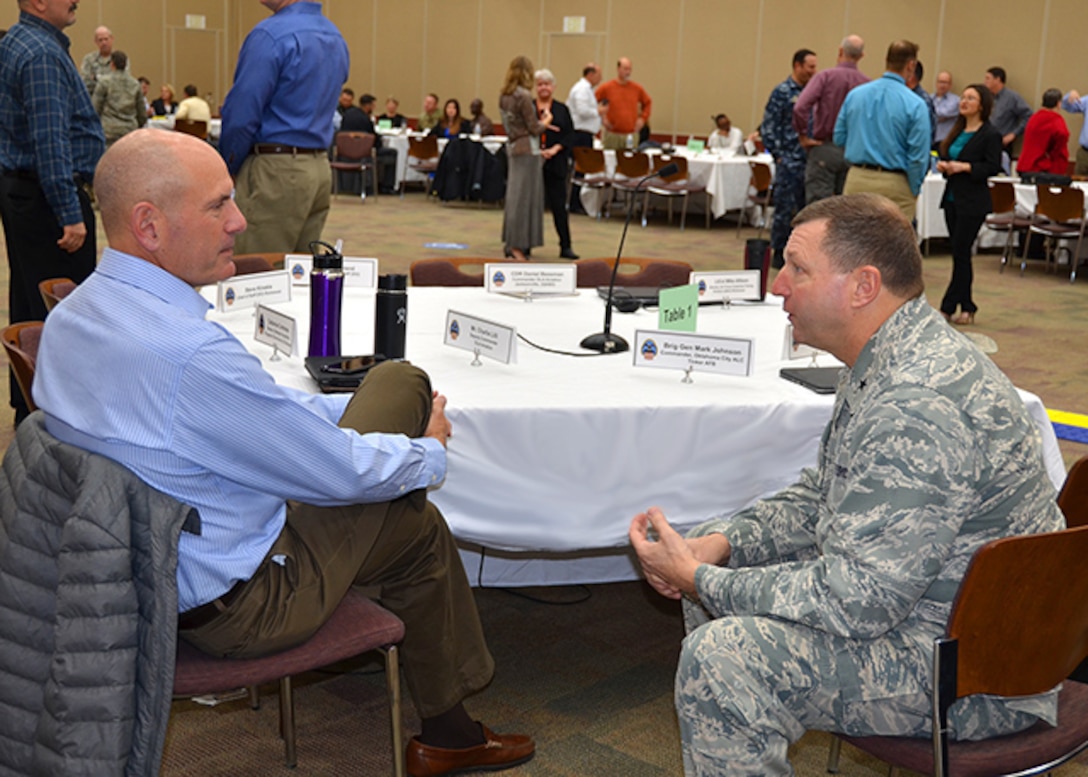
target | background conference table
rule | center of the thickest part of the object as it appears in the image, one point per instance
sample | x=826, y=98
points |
x=215, y=126
x=551, y=457
x=931, y=218
x=398, y=141
x=724, y=175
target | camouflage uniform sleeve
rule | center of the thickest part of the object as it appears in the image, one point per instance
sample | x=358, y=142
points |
x=774, y=528
x=898, y=487
x=775, y=115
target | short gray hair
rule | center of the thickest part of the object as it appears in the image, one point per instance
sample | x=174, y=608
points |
x=544, y=75
x=869, y=229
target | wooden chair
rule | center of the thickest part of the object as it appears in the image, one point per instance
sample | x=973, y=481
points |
x=760, y=193
x=448, y=271
x=676, y=185
x=198, y=129
x=247, y=264
x=1018, y=627
x=633, y=272
x=354, y=154
x=1059, y=215
x=21, y=344
x=1003, y=216
x=357, y=626
x=590, y=171
x=53, y=290
x=631, y=167
x=258, y=262
x=423, y=158
x=1073, y=498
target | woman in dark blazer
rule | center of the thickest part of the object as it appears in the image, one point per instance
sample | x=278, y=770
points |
x=970, y=153
x=555, y=146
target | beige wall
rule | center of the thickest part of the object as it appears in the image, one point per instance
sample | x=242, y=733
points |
x=695, y=57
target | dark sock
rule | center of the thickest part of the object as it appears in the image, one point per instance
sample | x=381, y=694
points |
x=453, y=729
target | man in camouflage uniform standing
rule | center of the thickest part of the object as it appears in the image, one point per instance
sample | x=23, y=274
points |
x=780, y=139
x=816, y=608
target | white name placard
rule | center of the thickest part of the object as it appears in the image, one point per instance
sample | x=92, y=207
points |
x=535, y=279
x=359, y=272
x=791, y=349
x=700, y=353
x=259, y=288
x=733, y=285
x=276, y=329
x=486, y=338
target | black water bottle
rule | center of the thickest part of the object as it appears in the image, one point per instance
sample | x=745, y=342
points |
x=391, y=316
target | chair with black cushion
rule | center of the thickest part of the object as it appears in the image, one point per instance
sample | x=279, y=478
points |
x=357, y=626
x=448, y=271
x=1002, y=217
x=1018, y=627
x=198, y=129
x=53, y=290
x=760, y=194
x=633, y=272
x=423, y=159
x=1059, y=215
x=676, y=185
x=21, y=345
x=590, y=171
x=354, y=153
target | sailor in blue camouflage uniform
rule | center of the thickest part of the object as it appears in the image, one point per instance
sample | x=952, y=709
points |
x=817, y=608
x=780, y=139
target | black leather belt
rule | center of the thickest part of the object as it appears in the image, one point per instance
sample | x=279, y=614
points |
x=203, y=615
x=32, y=175
x=878, y=168
x=276, y=148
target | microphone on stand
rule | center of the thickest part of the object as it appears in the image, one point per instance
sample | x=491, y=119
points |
x=605, y=341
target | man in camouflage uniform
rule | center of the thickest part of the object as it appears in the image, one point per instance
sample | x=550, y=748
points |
x=817, y=608
x=780, y=139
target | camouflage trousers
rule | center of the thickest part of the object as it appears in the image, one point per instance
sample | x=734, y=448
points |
x=789, y=198
x=747, y=687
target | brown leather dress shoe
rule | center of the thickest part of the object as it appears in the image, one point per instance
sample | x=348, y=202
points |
x=500, y=751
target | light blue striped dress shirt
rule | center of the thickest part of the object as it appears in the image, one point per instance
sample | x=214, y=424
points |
x=129, y=367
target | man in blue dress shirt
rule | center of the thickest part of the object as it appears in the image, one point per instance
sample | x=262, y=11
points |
x=50, y=142
x=301, y=496
x=277, y=126
x=885, y=130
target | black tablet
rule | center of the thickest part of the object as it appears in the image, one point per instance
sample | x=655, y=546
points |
x=822, y=380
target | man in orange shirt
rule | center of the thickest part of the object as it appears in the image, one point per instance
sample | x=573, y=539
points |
x=624, y=107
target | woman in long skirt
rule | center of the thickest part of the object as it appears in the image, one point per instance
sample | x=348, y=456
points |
x=523, y=218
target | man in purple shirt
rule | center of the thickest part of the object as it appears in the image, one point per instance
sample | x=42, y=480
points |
x=814, y=117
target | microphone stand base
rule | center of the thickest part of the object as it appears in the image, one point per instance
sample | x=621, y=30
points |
x=605, y=342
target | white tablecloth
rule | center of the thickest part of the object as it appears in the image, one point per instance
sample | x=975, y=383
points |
x=215, y=126
x=551, y=457
x=725, y=177
x=399, y=142
x=931, y=218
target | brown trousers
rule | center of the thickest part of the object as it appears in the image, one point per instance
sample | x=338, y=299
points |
x=400, y=551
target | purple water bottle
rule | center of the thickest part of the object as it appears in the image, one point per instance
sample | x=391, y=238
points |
x=326, y=297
